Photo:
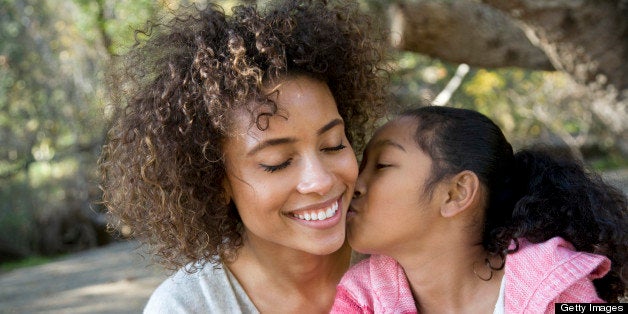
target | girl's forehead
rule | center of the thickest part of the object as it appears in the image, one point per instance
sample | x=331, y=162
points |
x=400, y=130
x=398, y=127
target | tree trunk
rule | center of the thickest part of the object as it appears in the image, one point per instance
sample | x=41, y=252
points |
x=586, y=38
x=463, y=32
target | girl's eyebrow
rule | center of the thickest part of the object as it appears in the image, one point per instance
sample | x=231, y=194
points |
x=287, y=140
x=388, y=142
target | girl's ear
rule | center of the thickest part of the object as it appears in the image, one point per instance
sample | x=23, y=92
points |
x=463, y=192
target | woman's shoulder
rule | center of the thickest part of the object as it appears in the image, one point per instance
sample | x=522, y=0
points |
x=210, y=288
x=197, y=274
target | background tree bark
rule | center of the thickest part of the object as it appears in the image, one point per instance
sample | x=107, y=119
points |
x=463, y=32
x=588, y=39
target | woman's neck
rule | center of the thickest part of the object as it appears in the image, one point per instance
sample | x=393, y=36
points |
x=303, y=282
x=443, y=279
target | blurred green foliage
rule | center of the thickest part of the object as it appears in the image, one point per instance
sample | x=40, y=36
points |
x=531, y=107
x=26, y=262
x=52, y=112
x=52, y=96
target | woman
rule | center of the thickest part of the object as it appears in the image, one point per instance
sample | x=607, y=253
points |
x=458, y=223
x=230, y=157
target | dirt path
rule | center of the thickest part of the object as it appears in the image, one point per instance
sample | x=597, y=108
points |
x=110, y=279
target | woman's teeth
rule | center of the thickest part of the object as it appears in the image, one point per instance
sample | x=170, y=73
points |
x=320, y=214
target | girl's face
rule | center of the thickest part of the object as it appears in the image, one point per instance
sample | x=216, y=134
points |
x=391, y=210
x=292, y=183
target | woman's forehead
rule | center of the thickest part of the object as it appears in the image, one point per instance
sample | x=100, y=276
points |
x=299, y=105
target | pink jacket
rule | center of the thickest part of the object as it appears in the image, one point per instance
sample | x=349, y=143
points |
x=537, y=276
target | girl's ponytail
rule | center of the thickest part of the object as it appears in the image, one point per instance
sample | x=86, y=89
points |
x=561, y=198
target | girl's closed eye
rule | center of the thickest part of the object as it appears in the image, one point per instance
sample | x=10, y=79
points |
x=385, y=160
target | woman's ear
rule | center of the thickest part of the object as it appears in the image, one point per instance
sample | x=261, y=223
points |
x=227, y=194
x=463, y=192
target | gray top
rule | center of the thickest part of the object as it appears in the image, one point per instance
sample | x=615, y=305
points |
x=213, y=289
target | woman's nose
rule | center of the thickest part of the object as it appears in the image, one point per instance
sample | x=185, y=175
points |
x=317, y=177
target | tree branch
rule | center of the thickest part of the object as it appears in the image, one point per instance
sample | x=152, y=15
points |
x=453, y=84
x=463, y=32
x=585, y=38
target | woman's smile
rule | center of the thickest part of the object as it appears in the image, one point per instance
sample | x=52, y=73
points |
x=320, y=216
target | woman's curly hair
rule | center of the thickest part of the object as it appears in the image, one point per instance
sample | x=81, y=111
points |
x=533, y=194
x=162, y=165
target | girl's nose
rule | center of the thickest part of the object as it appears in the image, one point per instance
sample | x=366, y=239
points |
x=357, y=194
x=360, y=188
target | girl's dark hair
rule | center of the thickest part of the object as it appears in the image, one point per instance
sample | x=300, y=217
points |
x=174, y=93
x=533, y=194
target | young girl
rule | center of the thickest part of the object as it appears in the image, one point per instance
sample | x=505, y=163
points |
x=457, y=223
x=231, y=155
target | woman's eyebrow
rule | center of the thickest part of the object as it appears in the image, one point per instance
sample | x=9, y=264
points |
x=288, y=140
x=329, y=126
x=271, y=142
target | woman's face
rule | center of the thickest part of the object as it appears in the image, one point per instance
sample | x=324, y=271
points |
x=292, y=183
x=391, y=209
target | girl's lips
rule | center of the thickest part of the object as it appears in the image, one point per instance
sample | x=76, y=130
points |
x=351, y=212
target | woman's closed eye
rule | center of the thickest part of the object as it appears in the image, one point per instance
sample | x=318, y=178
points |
x=335, y=148
x=285, y=164
x=379, y=166
x=273, y=168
